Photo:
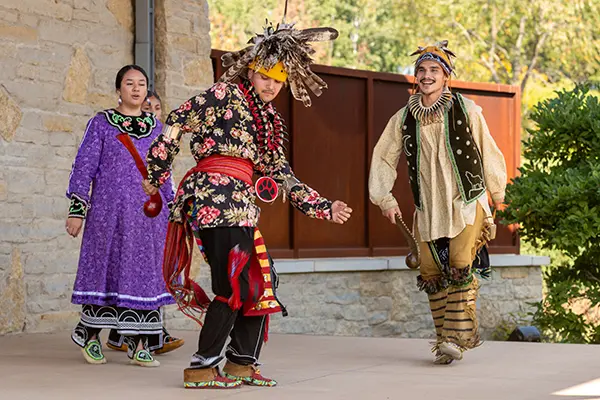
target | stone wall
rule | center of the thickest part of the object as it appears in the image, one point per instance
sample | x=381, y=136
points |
x=59, y=59
x=387, y=303
x=183, y=64
x=378, y=297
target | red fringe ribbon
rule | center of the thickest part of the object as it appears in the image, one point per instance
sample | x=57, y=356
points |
x=190, y=297
x=237, y=261
x=266, y=335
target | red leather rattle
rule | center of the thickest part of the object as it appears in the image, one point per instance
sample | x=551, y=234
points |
x=152, y=206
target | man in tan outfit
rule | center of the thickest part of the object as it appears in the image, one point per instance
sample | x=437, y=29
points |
x=452, y=161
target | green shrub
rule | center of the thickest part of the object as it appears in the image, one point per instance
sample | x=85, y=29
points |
x=556, y=202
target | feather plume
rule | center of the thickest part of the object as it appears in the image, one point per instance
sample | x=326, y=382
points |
x=439, y=50
x=289, y=45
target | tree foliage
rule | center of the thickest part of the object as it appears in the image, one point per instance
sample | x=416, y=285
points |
x=502, y=41
x=556, y=202
x=371, y=32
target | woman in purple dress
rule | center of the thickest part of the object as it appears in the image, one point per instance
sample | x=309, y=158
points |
x=119, y=279
x=115, y=341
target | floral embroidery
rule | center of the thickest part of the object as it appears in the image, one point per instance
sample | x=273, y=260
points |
x=78, y=207
x=322, y=214
x=220, y=90
x=206, y=215
x=186, y=106
x=208, y=143
x=218, y=199
x=218, y=179
x=237, y=196
x=137, y=127
x=164, y=176
x=160, y=151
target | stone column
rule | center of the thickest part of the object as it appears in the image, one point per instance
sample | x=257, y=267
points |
x=183, y=64
x=183, y=69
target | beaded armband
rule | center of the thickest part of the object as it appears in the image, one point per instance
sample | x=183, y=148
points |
x=78, y=207
x=288, y=184
x=172, y=132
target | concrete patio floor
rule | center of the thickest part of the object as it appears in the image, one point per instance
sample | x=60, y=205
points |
x=50, y=366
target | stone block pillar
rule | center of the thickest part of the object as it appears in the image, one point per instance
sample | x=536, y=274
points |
x=183, y=64
x=183, y=69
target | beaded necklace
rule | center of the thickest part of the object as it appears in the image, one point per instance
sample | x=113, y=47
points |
x=271, y=133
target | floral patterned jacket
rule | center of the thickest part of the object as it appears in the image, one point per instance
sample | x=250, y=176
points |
x=229, y=120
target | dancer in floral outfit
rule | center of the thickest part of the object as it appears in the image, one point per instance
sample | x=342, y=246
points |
x=235, y=132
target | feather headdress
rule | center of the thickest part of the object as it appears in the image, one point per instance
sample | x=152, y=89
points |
x=282, y=44
x=438, y=52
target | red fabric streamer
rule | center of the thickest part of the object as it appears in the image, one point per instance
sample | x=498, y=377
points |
x=237, y=261
x=266, y=335
x=239, y=168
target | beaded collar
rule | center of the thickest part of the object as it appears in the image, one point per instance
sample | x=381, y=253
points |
x=433, y=113
x=137, y=127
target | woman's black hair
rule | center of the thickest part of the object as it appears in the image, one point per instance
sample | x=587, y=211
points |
x=152, y=93
x=126, y=69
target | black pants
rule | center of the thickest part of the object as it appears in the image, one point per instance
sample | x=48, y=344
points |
x=221, y=321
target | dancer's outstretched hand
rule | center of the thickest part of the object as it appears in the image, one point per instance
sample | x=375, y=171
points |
x=499, y=206
x=340, y=212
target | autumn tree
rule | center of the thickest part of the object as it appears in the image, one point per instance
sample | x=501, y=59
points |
x=502, y=41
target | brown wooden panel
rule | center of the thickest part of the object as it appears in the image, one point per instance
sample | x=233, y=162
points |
x=496, y=249
x=389, y=97
x=390, y=251
x=329, y=155
x=279, y=253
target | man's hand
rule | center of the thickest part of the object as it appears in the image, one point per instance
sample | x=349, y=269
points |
x=340, y=212
x=499, y=206
x=148, y=188
x=391, y=213
x=74, y=225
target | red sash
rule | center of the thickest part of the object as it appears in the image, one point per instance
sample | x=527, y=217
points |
x=239, y=168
